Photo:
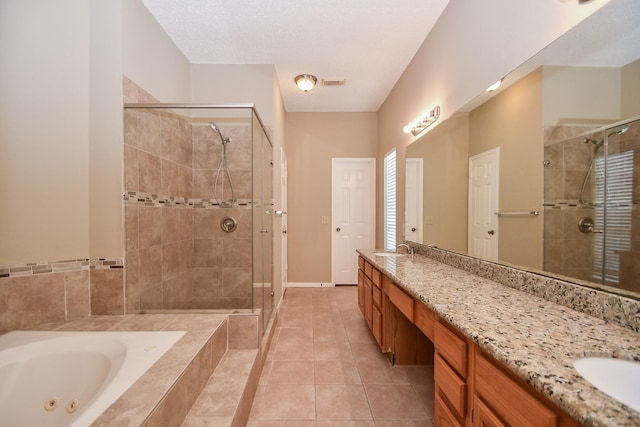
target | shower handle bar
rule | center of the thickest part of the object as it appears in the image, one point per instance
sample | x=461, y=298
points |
x=516, y=213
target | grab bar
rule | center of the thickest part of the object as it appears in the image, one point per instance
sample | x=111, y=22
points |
x=515, y=213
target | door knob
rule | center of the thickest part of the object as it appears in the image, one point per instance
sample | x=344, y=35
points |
x=492, y=232
x=338, y=229
x=284, y=231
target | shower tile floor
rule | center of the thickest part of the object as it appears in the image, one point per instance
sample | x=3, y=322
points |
x=325, y=369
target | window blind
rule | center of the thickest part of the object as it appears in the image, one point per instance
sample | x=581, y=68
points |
x=612, y=216
x=390, y=201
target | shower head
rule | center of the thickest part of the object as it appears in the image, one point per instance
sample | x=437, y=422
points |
x=620, y=131
x=224, y=140
x=593, y=141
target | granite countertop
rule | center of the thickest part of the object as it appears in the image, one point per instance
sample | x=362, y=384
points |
x=534, y=338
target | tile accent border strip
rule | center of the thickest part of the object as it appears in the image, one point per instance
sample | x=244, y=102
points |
x=147, y=199
x=42, y=267
x=610, y=307
x=575, y=204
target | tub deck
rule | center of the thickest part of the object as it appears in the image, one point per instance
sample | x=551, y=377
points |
x=219, y=355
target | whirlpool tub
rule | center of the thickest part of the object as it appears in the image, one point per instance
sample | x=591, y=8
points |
x=70, y=378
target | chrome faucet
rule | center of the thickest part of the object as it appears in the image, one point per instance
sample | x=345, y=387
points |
x=404, y=245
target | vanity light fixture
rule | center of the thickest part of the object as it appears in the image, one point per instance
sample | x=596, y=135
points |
x=306, y=82
x=422, y=122
x=494, y=86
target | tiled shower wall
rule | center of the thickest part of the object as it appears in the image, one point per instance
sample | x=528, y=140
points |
x=177, y=255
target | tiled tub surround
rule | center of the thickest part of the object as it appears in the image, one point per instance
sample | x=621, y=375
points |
x=36, y=293
x=535, y=338
x=177, y=255
x=220, y=355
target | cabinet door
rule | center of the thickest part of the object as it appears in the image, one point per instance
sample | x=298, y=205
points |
x=368, y=301
x=361, y=291
x=376, y=325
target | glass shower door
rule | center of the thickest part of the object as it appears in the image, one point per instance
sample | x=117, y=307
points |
x=262, y=222
x=617, y=241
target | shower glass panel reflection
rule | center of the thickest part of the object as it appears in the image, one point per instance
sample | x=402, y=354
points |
x=197, y=201
x=592, y=213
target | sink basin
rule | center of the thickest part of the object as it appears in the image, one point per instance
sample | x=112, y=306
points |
x=394, y=254
x=619, y=379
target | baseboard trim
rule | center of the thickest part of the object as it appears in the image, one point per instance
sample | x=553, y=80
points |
x=309, y=285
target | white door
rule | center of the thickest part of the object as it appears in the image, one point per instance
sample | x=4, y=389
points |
x=484, y=174
x=353, y=216
x=283, y=189
x=413, y=223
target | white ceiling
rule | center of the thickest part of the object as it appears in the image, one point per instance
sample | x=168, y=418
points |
x=368, y=43
x=608, y=38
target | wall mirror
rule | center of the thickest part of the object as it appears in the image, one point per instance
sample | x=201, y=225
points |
x=544, y=173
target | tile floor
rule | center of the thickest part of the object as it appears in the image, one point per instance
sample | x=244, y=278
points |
x=324, y=369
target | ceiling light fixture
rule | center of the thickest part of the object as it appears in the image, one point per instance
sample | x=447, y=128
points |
x=306, y=82
x=422, y=122
x=494, y=86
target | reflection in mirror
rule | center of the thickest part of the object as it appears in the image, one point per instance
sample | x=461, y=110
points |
x=538, y=123
x=591, y=206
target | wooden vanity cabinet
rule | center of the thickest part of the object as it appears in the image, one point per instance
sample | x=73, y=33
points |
x=471, y=388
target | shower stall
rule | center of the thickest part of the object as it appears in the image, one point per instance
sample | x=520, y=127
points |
x=592, y=206
x=198, y=206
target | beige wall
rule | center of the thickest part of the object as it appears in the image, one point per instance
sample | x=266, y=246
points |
x=106, y=228
x=236, y=84
x=630, y=101
x=445, y=154
x=313, y=139
x=44, y=130
x=150, y=58
x=581, y=95
x=512, y=120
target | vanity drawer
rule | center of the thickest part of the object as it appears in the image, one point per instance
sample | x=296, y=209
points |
x=367, y=269
x=450, y=386
x=400, y=299
x=452, y=347
x=377, y=297
x=376, y=276
x=425, y=318
x=442, y=415
x=507, y=399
